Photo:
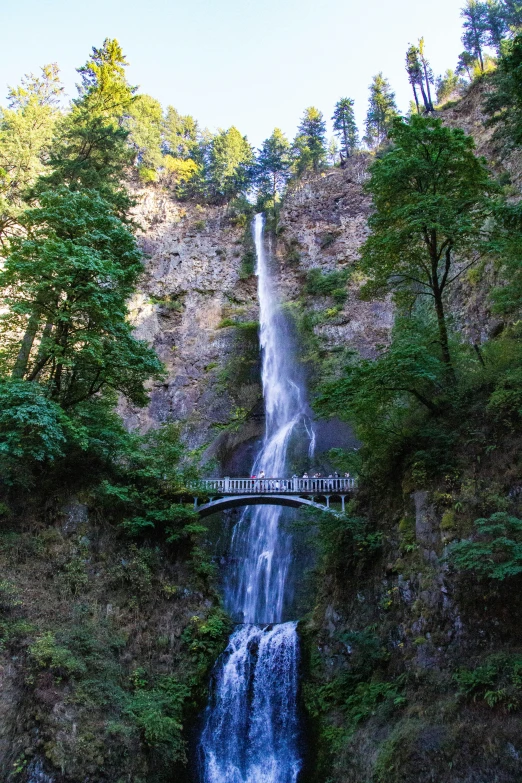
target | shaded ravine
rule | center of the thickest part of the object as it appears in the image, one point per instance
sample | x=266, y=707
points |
x=251, y=725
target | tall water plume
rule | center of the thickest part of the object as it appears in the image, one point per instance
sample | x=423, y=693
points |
x=251, y=731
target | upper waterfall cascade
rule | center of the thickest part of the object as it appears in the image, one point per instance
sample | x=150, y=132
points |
x=251, y=730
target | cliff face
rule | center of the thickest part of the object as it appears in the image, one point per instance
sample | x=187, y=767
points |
x=196, y=289
x=323, y=223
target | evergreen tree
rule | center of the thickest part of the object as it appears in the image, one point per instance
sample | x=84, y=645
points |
x=144, y=122
x=230, y=164
x=180, y=135
x=504, y=103
x=381, y=111
x=447, y=85
x=345, y=127
x=496, y=23
x=414, y=71
x=272, y=169
x=429, y=194
x=309, y=145
x=475, y=24
x=465, y=65
x=67, y=281
x=428, y=75
x=26, y=131
x=91, y=149
x=512, y=13
x=334, y=155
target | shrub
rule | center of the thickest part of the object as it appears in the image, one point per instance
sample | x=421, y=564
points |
x=495, y=552
x=496, y=681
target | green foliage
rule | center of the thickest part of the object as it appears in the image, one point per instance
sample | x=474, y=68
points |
x=90, y=149
x=48, y=653
x=26, y=131
x=429, y=185
x=344, y=543
x=448, y=85
x=381, y=111
x=309, y=146
x=272, y=168
x=345, y=126
x=144, y=122
x=230, y=161
x=371, y=698
x=157, y=711
x=495, y=551
x=31, y=427
x=504, y=102
x=146, y=487
x=496, y=682
x=68, y=285
x=205, y=638
x=319, y=283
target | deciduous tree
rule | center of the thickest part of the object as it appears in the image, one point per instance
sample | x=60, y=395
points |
x=429, y=194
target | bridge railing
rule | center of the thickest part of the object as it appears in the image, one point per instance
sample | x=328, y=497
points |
x=282, y=486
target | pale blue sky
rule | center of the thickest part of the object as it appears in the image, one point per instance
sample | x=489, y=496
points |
x=236, y=62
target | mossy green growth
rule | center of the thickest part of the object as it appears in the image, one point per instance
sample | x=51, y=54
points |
x=319, y=283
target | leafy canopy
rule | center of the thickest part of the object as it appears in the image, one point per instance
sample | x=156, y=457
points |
x=430, y=197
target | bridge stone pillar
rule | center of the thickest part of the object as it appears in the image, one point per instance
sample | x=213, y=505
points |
x=294, y=484
x=227, y=483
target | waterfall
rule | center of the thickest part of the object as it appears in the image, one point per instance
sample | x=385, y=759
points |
x=251, y=727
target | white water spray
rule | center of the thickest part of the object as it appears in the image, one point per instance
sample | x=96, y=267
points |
x=251, y=728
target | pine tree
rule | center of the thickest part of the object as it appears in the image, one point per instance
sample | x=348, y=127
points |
x=345, y=127
x=272, y=169
x=414, y=71
x=26, y=131
x=144, y=122
x=475, y=35
x=428, y=74
x=230, y=164
x=91, y=149
x=381, y=111
x=309, y=145
x=180, y=135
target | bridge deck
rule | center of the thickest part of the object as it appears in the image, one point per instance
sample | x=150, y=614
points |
x=278, y=486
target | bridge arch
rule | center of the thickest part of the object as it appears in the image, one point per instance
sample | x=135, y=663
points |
x=235, y=501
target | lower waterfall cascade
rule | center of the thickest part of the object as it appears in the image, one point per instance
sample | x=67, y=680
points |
x=251, y=724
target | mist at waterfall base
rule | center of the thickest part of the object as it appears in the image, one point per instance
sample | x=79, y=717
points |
x=251, y=725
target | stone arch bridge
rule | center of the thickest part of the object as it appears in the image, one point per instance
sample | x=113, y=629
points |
x=294, y=492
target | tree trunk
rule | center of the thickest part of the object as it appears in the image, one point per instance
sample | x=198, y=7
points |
x=424, y=96
x=416, y=97
x=443, y=330
x=20, y=367
x=430, y=102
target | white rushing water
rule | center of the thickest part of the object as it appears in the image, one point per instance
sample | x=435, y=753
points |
x=251, y=730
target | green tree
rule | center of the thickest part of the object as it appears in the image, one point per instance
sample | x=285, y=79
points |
x=345, y=127
x=26, y=131
x=465, y=65
x=180, y=135
x=381, y=111
x=309, y=145
x=67, y=282
x=447, y=85
x=475, y=24
x=504, y=102
x=429, y=194
x=427, y=73
x=272, y=169
x=144, y=123
x=415, y=76
x=91, y=149
x=230, y=164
